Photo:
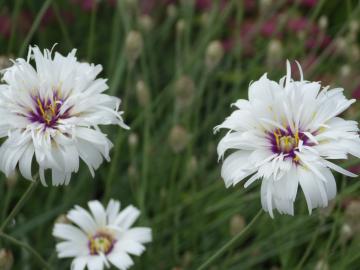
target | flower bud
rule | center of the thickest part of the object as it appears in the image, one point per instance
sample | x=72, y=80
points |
x=184, y=91
x=4, y=62
x=133, y=172
x=274, y=53
x=352, y=215
x=346, y=233
x=133, y=140
x=192, y=165
x=133, y=46
x=146, y=23
x=180, y=26
x=142, y=93
x=340, y=44
x=171, y=11
x=354, y=53
x=12, y=180
x=62, y=219
x=323, y=22
x=178, y=138
x=205, y=19
x=237, y=224
x=345, y=72
x=265, y=5
x=214, y=54
x=354, y=26
x=322, y=265
x=6, y=259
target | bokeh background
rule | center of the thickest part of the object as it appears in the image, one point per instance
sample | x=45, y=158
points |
x=178, y=66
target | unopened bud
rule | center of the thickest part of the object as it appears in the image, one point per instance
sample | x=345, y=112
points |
x=180, y=26
x=4, y=62
x=6, y=259
x=133, y=172
x=205, y=19
x=323, y=22
x=274, y=53
x=237, y=224
x=133, y=46
x=178, y=138
x=345, y=71
x=354, y=53
x=214, y=54
x=346, y=233
x=184, y=91
x=192, y=165
x=12, y=180
x=341, y=45
x=322, y=265
x=354, y=26
x=265, y=5
x=352, y=215
x=133, y=140
x=171, y=11
x=142, y=93
x=62, y=219
x=146, y=23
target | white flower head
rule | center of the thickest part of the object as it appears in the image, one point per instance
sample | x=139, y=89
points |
x=102, y=237
x=53, y=111
x=285, y=135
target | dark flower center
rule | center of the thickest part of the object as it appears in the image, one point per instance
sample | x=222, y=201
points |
x=101, y=242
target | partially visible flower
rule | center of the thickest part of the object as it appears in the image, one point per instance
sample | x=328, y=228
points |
x=53, y=112
x=102, y=237
x=287, y=134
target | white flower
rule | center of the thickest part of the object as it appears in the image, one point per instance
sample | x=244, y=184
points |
x=53, y=111
x=101, y=238
x=285, y=134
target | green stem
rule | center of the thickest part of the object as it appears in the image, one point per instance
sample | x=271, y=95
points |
x=17, y=242
x=229, y=243
x=19, y=204
x=34, y=26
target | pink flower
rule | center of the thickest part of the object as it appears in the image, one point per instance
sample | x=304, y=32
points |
x=356, y=94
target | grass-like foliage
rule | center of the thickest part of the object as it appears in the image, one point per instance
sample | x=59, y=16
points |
x=177, y=66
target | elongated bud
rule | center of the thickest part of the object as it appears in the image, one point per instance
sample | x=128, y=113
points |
x=354, y=26
x=265, y=5
x=322, y=265
x=323, y=22
x=146, y=23
x=274, y=53
x=346, y=233
x=5, y=62
x=133, y=46
x=142, y=93
x=171, y=11
x=62, y=219
x=214, y=54
x=178, y=138
x=184, y=91
x=180, y=26
x=6, y=259
x=133, y=140
x=12, y=180
x=237, y=224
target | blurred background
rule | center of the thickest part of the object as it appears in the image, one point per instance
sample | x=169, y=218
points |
x=177, y=66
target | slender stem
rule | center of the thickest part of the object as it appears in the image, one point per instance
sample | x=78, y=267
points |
x=19, y=204
x=229, y=243
x=34, y=26
x=17, y=242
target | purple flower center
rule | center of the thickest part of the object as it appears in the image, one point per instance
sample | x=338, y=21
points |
x=47, y=111
x=101, y=242
x=286, y=142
